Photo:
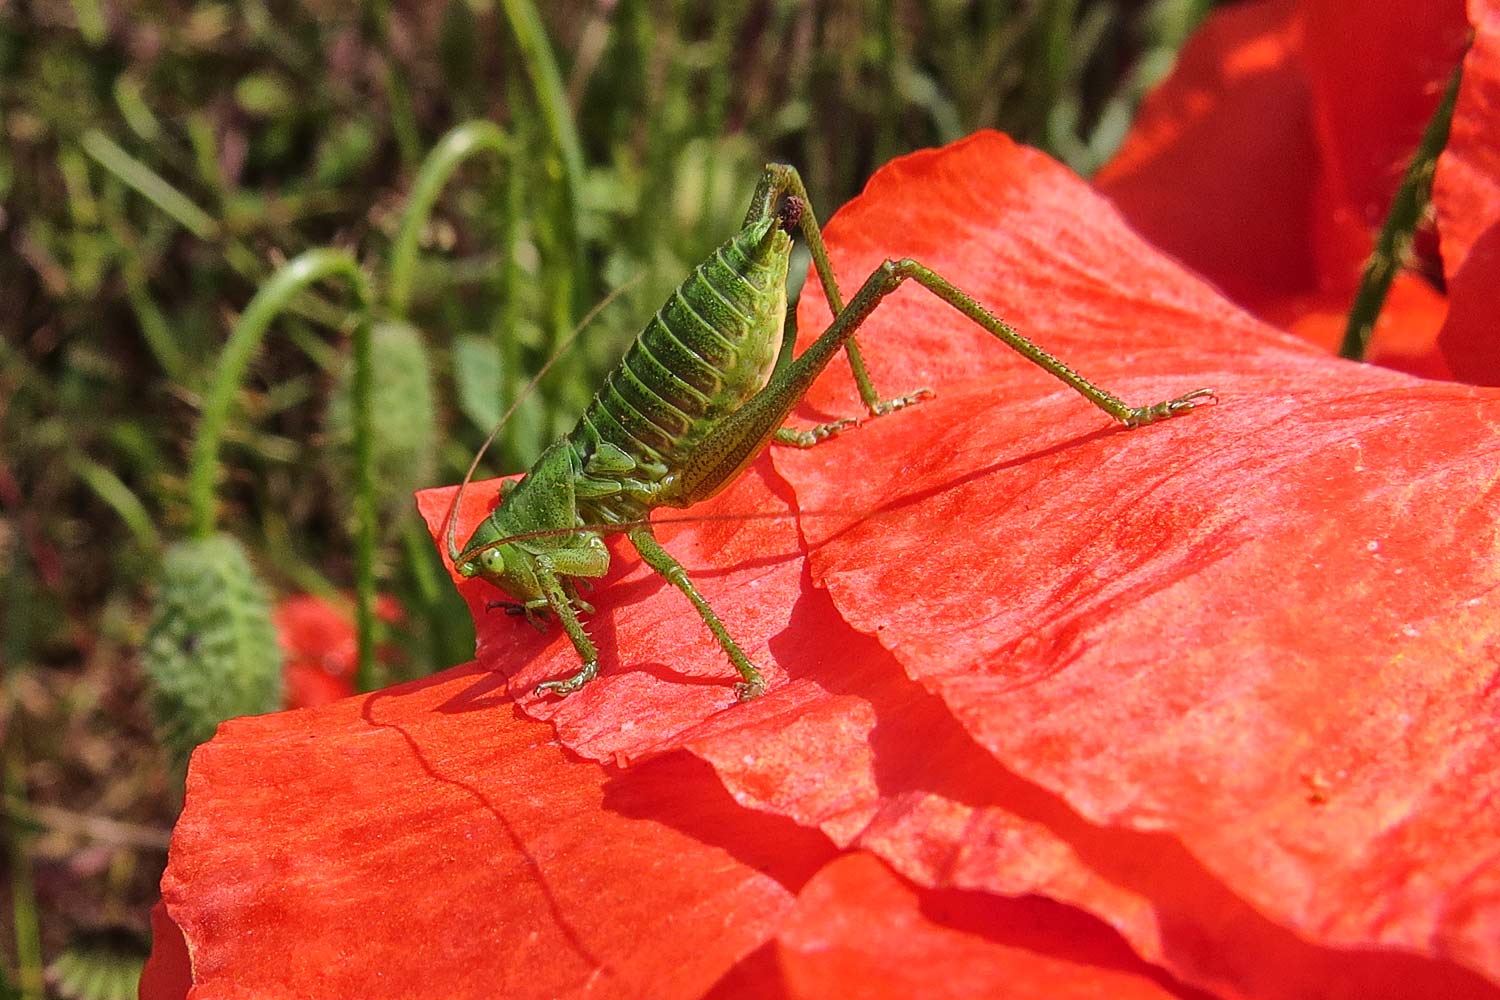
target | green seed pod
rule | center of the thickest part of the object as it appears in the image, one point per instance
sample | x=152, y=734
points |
x=404, y=422
x=211, y=653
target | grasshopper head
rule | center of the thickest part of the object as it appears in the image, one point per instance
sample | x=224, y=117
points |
x=503, y=548
x=507, y=566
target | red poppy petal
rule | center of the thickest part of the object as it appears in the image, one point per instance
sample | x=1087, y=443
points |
x=859, y=930
x=1377, y=72
x=1466, y=192
x=423, y=841
x=1469, y=339
x=305, y=685
x=315, y=631
x=1221, y=165
x=168, y=974
x=1264, y=628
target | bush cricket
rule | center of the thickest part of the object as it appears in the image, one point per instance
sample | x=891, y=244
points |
x=696, y=398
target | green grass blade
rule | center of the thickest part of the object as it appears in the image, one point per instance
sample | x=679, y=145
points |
x=148, y=183
x=109, y=488
x=1393, y=244
x=155, y=329
x=552, y=99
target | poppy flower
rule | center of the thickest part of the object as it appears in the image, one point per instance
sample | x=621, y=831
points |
x=320, y=647
x=1055, y=708
x=1268, y=160
x=1467, y=197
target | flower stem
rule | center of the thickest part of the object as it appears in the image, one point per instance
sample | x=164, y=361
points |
x=273, y=297
x=1393, y=244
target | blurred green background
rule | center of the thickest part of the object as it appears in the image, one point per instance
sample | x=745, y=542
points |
x=159, y=161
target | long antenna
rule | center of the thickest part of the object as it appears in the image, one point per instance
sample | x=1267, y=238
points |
x=616, y=527
x=451, y=528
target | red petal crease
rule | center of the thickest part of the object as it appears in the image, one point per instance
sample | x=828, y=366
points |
x=858, y=930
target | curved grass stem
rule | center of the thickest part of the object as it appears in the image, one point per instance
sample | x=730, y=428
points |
x=273, y=297
x=461, y=143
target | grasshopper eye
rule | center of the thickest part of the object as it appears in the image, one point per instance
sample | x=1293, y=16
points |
x=493, y=561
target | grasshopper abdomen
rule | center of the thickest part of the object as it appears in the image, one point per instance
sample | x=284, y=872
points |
x=708, y=349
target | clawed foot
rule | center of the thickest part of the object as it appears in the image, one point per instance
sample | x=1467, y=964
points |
x=568, y=685
x=745, y=690
x=814, y=435
x=1142, y=415
x=884, y=406
x=822, y=432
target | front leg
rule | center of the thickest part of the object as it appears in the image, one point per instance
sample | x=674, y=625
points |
x=554, y=571
x=562, y=607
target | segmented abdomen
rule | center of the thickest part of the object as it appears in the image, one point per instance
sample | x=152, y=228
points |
x=709, y=348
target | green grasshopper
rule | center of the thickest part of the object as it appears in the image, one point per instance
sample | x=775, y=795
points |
x=698, y=395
